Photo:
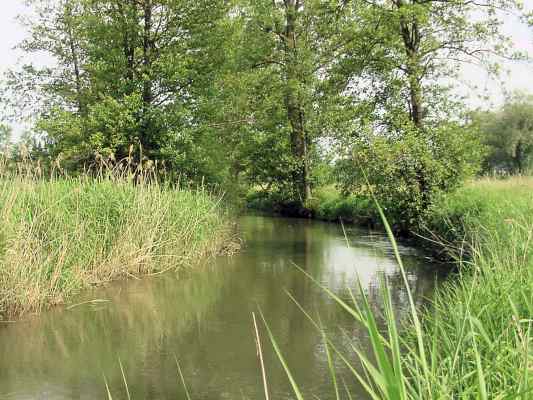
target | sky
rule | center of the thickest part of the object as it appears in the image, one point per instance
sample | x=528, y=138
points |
x=481, y=89
x=515, y=76
x=11, y=32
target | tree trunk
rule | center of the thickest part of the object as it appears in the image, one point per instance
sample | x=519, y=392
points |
x=411, y=39
x=417, y=111
x=75, y=60
x=295, y=113
x=147, y=94
x=128, y=43
x=519, y=158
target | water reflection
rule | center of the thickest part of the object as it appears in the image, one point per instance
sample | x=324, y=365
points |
x=205, y=320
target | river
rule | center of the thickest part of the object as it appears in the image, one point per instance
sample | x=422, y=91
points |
x=203, y=318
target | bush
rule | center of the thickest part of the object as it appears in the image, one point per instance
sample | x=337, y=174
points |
x=407, y=173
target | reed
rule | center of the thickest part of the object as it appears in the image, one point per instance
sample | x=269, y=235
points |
x=60, y=235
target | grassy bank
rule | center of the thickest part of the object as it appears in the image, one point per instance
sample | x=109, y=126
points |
x=450, y=225
x=475, y=340
x=478, y=334
x=61, y=236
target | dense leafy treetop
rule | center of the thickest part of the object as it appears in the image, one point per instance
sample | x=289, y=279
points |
x=261, y=93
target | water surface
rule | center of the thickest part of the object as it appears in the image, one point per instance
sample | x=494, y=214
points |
x=203, y=318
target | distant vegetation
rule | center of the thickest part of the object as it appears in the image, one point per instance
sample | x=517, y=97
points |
x=508, y=136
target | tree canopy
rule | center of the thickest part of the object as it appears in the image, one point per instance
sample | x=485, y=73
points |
x=508, y=135
x=264, y=93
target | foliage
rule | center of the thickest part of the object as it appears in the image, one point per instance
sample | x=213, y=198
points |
x=407, y=173
x=261, y=93
x=508, y=133
x=408, y=141
x=127, y=73
x=330, y=204
x=402, y=64
x=274, y=85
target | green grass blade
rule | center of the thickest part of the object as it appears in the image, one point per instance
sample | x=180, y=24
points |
x=413, y=310
x=482, y=386
x=294, y=386
x=331, y=365
x=108, y=392
x=124, y=379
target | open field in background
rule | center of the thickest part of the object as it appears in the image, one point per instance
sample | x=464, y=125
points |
x=60, y=236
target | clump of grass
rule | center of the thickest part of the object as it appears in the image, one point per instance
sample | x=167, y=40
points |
x=61, y=235
x=484, y=212
x=481, y=321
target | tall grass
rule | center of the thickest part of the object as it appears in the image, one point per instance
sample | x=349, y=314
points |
x=474, y=342
x=61, y=235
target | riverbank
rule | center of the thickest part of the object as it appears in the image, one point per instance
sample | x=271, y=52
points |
x=475, y=339
x=447, y=229
x=327, y=204
x=62, y=236
x=478, y=333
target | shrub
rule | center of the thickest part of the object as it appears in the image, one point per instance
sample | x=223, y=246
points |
x=407, y=173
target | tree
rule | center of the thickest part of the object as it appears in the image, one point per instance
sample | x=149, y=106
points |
x=282, y=52
x=277, y=55
x=508, y=133
x=128, y=72
x=402, y=86
x=425, y=42
x=389, y=168
x=261, y=91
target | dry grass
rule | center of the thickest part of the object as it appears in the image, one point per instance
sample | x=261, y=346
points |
x=62, y=235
